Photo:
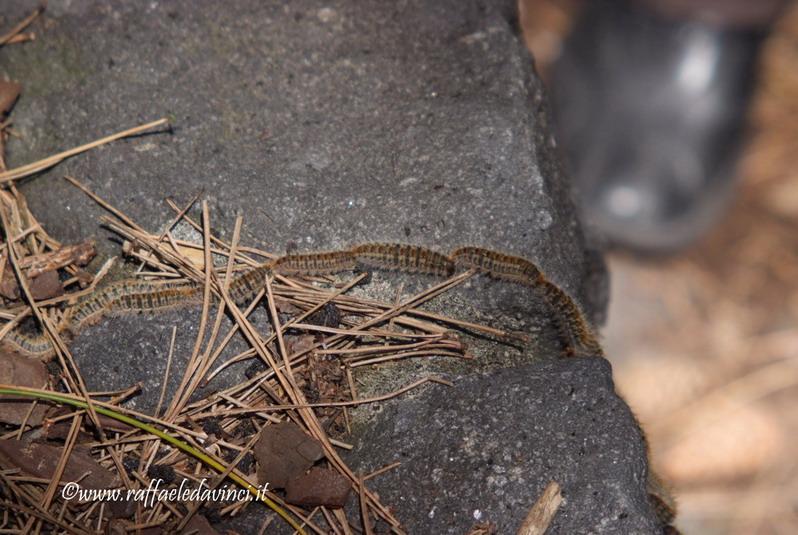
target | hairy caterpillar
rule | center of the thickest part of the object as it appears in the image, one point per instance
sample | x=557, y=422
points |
x=568, y=318
x=314, y=263
x=245, y=286
x=35, y=345
x=133, y=296
x=401, y=257
x=498, y=265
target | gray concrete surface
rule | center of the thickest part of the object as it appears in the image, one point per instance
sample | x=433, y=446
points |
x=484, y=451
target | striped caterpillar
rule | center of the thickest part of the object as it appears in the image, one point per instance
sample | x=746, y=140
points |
x=315, y=263
x=400, y=257
x=568, y=318
x=146, y=296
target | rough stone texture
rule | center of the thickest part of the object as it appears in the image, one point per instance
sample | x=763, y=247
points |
x=122, y=351
x=484, y=450
x=327, y=124
x=313, y=119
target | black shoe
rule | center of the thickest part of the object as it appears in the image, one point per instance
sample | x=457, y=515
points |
x=651, y=113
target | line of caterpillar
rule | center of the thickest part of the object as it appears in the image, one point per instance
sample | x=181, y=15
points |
x=140, y=295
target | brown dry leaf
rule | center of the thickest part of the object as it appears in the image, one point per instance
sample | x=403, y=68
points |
x=283, y=452
x=9, y=288
x=9, y=91
x=286, y=307
x=18, y=370
x=40, y=460
x=45, y=286
x=296, y=344
x=319, y=487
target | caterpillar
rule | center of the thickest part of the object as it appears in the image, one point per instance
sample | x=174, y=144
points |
x=402, y=257
x=498, y=265
x=141, y=296
x=35, y=345
x=244, y=287
x=568, y=318
x=133, y=296
x=315, y=263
